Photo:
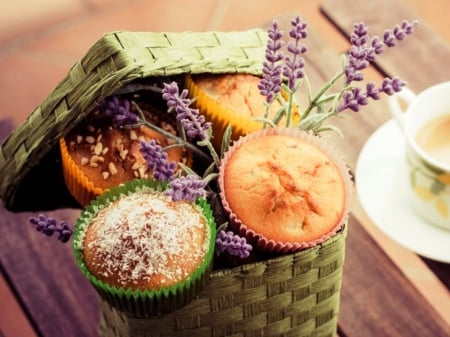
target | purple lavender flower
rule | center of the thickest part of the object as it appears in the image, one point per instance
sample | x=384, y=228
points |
x=232, y=244
x=355, y=98
x=157, y=161
x=363, y=48
x=391, y=86
x=186, y=188
x=48, y=226
x=398, y=32
x=358, y=54
x=193, y=123
x=270, y=84
x=119, y=110
x=293, y=68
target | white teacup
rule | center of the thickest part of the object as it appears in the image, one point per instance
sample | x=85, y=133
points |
x=426, y=125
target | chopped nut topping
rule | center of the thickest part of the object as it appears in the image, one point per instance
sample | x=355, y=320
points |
x=105, y=175
x=79, y=139
x=112, y=168
x=90, y=139
x=123, y=154
x=98, y=148
x=142, y=172
x=96, y=159
x=84, y=161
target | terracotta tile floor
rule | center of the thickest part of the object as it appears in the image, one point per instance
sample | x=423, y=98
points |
x=41, y=39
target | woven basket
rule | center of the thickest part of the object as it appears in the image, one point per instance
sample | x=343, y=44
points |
x=292, y=295
x=30, y=159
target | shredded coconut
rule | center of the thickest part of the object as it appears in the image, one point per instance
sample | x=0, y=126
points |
x=146, y=234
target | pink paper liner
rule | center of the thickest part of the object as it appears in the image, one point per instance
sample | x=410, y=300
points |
x=269, y=245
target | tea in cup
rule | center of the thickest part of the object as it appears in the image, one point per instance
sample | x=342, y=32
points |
x=426, y=126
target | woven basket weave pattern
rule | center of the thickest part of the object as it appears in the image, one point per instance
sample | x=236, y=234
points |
x=114, y=61
x=293, y=295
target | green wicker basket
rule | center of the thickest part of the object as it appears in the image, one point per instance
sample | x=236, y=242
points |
x=291, y=295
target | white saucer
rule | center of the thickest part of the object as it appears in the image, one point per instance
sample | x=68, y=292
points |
x=381, y=187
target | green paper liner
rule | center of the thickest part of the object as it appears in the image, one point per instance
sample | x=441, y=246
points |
x=144, y=303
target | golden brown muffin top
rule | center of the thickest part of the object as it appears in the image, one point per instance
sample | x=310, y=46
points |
x=284, y=188
x=237, y=92
x=146, y=241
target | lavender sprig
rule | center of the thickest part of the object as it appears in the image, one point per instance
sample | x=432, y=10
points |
x=187, y=188
x=355, y=98
x=233, y=244
x=48, y=226
x=361, y=54
x=270, y=84
x=293, y=69
x=119, y=109
x=193, y=123
x=157, y=161
x=294, y=63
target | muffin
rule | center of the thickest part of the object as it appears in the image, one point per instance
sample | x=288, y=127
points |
x=231, y=99
x=284, y=189
x=97, y=155
x=145, y=253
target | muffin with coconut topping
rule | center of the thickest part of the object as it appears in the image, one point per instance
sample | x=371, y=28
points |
x=137, y=245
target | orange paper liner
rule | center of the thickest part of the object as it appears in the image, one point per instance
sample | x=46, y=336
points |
x=81, y=188
x=269, y=245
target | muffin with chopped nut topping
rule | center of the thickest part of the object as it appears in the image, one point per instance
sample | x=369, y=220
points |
x=98, y=154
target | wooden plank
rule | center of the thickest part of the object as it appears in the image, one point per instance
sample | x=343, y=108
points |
x=13, y=321
x=376, y=298
x=43, y=272
x=420, y=67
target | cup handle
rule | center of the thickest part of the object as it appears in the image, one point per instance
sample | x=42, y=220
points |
x=407, y=96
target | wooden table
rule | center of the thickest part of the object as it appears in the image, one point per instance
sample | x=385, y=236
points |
x=377, y=297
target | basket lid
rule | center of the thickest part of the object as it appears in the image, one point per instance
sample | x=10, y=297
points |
x=30, y=162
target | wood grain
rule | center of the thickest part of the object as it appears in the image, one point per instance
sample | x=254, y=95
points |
x=43, y=271
x=419, y=66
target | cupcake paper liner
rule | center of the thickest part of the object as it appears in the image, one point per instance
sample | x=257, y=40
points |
x=152, y=302
x=77, y=183
x=257, y=239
